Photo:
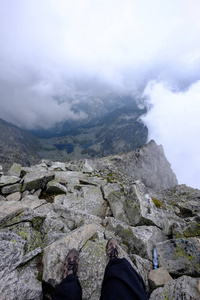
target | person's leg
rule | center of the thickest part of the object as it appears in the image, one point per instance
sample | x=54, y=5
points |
x=69, y=288
x=121, y=281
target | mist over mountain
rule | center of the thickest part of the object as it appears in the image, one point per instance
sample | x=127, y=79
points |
x=98, y=111
x=118, y=131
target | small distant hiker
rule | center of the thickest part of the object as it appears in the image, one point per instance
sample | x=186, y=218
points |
x=120, y=282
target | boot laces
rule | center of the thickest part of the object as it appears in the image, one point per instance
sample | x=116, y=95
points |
x=113, y=253
x=73, y=266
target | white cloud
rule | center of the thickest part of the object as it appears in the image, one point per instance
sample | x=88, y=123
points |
x=174, y=122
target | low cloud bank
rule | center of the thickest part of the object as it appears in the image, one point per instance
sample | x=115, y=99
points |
x=54, y=52
x=173, y=121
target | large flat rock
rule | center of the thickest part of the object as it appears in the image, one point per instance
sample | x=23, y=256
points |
x=37, y=180
x=180, y=256
x=55, y=254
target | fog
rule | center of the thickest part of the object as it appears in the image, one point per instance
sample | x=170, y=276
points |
x=174, y=122
x=52, y=52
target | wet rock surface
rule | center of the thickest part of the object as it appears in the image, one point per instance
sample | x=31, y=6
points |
x=81, y=204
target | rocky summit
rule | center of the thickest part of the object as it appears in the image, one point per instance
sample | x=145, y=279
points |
x=51, y=207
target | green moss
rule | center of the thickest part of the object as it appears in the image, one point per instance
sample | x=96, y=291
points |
x=180, y=252
x=177, y=235
x=23, y=234
x=39, y=277
x=126, y=235
x=158, y=203
x=110, y=177
x=27, y=233
x=192, y=230
x=166, y=295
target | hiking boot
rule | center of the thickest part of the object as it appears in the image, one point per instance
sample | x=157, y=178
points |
x=71, y=263
x=112, y=250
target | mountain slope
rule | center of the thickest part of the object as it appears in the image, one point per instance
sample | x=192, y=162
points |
x=17, y=145
x=117, y=132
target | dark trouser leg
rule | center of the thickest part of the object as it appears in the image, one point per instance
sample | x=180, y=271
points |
x=68, y=289
x=122, y=282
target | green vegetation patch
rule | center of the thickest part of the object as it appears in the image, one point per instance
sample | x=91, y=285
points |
x=158, y=203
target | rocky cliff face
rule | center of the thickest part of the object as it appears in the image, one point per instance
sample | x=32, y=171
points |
x=49, y=208
x=17, y=145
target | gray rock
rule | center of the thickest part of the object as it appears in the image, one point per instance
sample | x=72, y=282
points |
x=87, y=168
x=38, y=193
x=7, y=180
x=47, y=162
x=30, y=235
x=12, y=247
x=13, y=212
x=68, y=177
x=74, y=217
x=110, y=188
x=26, y=170
x=59, y=199
x=37, y=180
x=141, y=239
x=158, y=278
x=54, y=187
x=116, y=201
x=184, y=199
x=14, y=251
x=45, y=209
x=22, y=283
x=147, y=164
x=10, y=210
x=58, y=166
x=30, y=255
x=191, y=228
x=91, y=201
x=15, y=170
x=2, y=198
x=113, y=225
x=9, y=189
x=141, y=210
x=53, y=228
x=144, y=266
x=180, y=256
x=94, y=202
x=184, y=288
x=55, y=254
x=87, y=181
x=14, y=197
x=25, y=193
x=92, y=267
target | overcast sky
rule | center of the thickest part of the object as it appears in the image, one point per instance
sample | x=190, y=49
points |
x=149, y=48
